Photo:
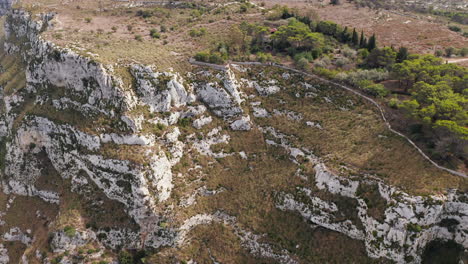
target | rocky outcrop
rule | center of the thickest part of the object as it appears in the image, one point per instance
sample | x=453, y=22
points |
x=148, y=143
x=5, y=6
x=406, y=224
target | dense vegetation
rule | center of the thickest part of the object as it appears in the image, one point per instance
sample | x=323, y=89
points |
x=431, y=93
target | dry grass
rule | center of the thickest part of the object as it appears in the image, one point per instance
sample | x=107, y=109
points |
x=110, y=31
x=356, y=138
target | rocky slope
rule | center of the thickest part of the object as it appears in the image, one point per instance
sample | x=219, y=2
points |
x=99, y=158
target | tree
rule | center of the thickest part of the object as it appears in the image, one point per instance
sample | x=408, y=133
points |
x=335, y=2
x=372, y=44
x=402, y=54
x=355, y=38
x=381, y=58
x=327, y=27
x=449, y=51
x=439, y=106
x=297, y=35
x=362, y=41
x=345, y=36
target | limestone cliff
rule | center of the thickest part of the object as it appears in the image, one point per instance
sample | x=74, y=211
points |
x=137, y=140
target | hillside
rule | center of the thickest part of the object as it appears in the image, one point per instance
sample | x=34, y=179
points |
x=118, y=146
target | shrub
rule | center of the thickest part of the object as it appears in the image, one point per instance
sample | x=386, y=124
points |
x=264, y=57
x=340, y=62
x=414, y=227
x=449, y=51
x=216, y=58
x=329, y=74
x=163, y=28
x=455, y=28
x=363, y=53
x=202, y=56
x=88, y=20
x=138, y=38
x=114, y=28
x=197, y=32
x=306, y=55
x=129, y=27
x=125, y=258
x=394, y=103
x=154, y=33
x=349, y=53
x=303, y=64
x=144, y=13
x=243, y=8
x=69, y=231
x=377, y=90
x=323, y=63
x=464, y=52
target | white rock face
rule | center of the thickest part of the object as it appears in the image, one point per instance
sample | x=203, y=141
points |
x=260, y=112
x=266, y=89
x=202, y=121
x=160, y=90
x=62, y=242
x=242, y=124
x=224, y=100
x=4, y=258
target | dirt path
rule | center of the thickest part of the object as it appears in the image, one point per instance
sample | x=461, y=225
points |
x=352, y=90
x=458, y=60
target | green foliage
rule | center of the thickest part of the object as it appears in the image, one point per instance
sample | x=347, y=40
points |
x=455, y=28
x=381, y=58
x=69, y=231
x=125, y=257
x=362, y=41
x=402, y=54
x=202, y=56
x=197, y=32
x=264, y=57
x=372, y=44
x=430, y=69
x=303, y=64
x=155, y=34
x=327, y=28
x=449, y=51
x=138, y=38
x=355, y=38
x=414, y=227
x=439, y=106
x=144, y=13
x=394, y=103
x=377, y=90
x=297, y=35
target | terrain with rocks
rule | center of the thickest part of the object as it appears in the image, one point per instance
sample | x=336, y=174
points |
x=107, y=162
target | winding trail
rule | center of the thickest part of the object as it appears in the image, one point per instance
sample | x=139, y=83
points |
x=457, y=60
x=382, y=112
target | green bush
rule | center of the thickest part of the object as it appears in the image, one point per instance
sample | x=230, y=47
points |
x=303, y=64
x=394, y=103
x=155, y=34
x=69, y=231
x=455, y=28
x=216, y=58
x=138, y=38
x=264, y=57
x=125, y=257
x=197, y=32
x=202, y=56
x=377, y=90
x=414, y=228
